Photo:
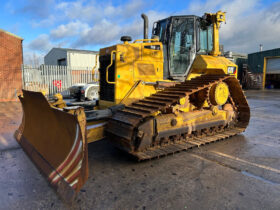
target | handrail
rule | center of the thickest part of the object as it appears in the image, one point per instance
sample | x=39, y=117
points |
x=94, y=70
x=145, y=40
x=107, y=69
x=131, y=90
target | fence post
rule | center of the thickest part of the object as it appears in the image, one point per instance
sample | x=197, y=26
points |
x=22, y=76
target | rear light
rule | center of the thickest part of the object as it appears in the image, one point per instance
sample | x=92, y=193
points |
x=83, y=91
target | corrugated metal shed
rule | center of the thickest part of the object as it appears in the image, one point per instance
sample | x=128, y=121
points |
x=71, y=57
x=273, y=65
x=240, y=62
x=256, y=60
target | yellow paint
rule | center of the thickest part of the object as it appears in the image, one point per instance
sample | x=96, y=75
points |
x=146, y=40
x=133, y=54
x=129, y=59
x=58, y=96
x=182, y=101
x=143, y=61
x=264, y=72
x=217, y=19
x=43, y=92
x=191, y=119
x=221, y=93
x=131, y=91
x=207, y=64
x=214, y=110
x=155, y=113
x=107, y=68
x=187, y=108
x=59, y=102
x=95, y=130
x=94, y=70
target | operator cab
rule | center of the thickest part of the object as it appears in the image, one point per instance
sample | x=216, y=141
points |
x=183, y=37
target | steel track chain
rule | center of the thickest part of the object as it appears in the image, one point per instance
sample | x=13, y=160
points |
x=123, y=125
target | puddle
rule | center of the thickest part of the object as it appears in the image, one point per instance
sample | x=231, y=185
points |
x=259, y=178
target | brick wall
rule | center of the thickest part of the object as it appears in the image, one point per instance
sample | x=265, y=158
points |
x=10, y=66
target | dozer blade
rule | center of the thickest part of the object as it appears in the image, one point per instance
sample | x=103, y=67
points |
x=55, y=141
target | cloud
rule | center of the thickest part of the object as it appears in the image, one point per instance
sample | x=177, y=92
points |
x=199, y=7
x=91, y=23
x=249, y=26
x=101, y=33
x=46, y=22
x=76, y=10
x=248, y=23
x=96, y=11
x=68, y=30
x=41, y=43
x=133, y=7
x=107, y=32
x=37, y=9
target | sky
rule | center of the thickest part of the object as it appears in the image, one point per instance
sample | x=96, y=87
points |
x=93, y=24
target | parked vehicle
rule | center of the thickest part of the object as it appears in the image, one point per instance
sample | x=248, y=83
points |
x=83, y=92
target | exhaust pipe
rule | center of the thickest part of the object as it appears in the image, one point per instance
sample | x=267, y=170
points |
x=146, y=25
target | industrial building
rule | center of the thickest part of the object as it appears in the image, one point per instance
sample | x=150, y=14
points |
x=239, y=59
x=267, y=64
x=11, y=60
x=71, y=57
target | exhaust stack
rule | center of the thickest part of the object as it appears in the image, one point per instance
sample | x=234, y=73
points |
x=146, y=25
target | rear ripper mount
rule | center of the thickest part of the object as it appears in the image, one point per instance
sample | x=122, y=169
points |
x=134, y=129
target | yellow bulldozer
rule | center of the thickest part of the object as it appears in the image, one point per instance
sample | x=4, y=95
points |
x=157, y=97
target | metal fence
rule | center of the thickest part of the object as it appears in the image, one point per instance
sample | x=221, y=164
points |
x=55, y=79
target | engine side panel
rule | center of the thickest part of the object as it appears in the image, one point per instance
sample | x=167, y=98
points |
x=207, y=64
